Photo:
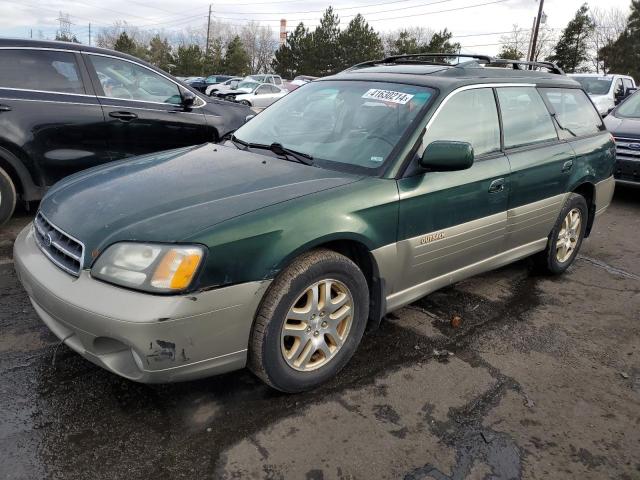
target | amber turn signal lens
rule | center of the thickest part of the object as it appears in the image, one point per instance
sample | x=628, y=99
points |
x=177, y=268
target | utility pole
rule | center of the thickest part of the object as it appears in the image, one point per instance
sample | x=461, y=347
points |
x=206, y=48
x=89, y=34
x=533, y=27
x=534, y=42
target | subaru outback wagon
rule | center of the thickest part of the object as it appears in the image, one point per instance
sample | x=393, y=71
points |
x=352, y=196
x=65, y=107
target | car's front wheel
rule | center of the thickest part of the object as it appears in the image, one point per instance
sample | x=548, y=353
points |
x=245, y=102
x=7, y=197
x=310, y=322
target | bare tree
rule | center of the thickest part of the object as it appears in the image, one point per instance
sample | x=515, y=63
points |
x=609, y=25
x=516, y=42
x=421, y=35
x=107, y=37
x=260, y=43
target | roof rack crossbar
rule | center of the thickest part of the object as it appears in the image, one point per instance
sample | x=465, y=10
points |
x=550, y=66
x=476, y=61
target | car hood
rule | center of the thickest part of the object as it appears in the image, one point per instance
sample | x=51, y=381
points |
x=169, y=196
x=623, y=127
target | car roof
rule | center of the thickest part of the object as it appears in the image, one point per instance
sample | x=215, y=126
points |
x=446, y=76
x=599, y=75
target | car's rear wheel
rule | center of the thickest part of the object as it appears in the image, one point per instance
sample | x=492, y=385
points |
x=310, y=322
x=565, y=238
x=7, y=197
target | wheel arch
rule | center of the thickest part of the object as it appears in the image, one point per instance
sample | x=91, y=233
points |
x=587, y=189
x=357, y=250
x=20, y=176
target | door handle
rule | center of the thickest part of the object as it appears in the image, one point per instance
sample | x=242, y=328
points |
x=124, y=116
x=566, y=166
x=496, y=186
x=5, y=108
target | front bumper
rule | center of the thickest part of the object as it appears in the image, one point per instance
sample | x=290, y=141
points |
x=143, y=337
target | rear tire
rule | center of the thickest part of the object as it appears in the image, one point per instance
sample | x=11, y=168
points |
x=566, y=237
x=310, y=322
x=8, y=197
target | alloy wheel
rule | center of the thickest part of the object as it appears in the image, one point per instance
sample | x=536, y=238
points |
x=317, y=325
x=568, y=235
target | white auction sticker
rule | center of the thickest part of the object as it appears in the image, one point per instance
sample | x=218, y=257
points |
x=388, y=96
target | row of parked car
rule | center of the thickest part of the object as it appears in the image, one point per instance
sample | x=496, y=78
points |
x=254, y=90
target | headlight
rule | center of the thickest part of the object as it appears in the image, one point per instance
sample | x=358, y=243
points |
x=149, y=267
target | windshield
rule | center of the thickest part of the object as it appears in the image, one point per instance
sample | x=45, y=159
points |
x=250, y=86
x=350, y=124
x=595, y=85
x=630, y=108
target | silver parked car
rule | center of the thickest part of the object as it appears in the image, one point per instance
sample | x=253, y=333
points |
x=261, y=96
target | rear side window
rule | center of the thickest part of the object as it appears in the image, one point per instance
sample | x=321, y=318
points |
x=469, y=116
x=525, y=118
x=45, y=70
x=575, y=114
x=627, y=83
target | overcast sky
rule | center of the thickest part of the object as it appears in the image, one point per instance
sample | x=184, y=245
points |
x=475, y=23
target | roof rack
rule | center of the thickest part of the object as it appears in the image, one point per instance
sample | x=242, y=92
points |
x=476, y=61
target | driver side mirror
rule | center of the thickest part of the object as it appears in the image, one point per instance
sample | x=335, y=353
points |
x=188, y=98
x=447, y=156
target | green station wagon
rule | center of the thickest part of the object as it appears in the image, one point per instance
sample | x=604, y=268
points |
x=347, y=199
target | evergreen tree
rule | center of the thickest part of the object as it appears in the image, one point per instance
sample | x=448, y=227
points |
x=188, y=60
x=64, y=37
x=323, y=56
x=287, y=61
x=236, y=59
x=573, y=46
x=405, y=44
x=160, y=54
x=510, y=52
x=623, y=55
x=126, y=44
x=441, y=43
x=358, y=43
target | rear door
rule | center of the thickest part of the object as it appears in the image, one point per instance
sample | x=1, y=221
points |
x=143, y=108
x=541, y=165
x=49, y=112
x=450, y=220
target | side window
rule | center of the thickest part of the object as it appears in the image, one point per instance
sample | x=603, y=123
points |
x=627, y=83
x=618, y=90
x=525, y=118
x=469, y=116
x=278, y=80
x=128, y=81
x=262, y=89
x=575, y=114
x=45, y=70
x=274, y=89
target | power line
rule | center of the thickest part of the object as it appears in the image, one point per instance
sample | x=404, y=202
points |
x=336, y=9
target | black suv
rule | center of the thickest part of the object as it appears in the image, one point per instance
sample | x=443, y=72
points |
x=624, y=123
x=65, y=107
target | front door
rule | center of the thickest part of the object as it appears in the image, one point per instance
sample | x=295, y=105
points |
x=143, y=109
x=451, y=220
x=49, y=112
x=541, y=165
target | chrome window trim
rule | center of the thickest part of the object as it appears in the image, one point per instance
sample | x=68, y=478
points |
x=46, y=91
x=93, y=105
x=151, y=70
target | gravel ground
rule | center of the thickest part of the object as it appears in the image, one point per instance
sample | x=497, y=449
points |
x=540, y=381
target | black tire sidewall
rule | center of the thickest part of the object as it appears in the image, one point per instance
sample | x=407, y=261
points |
x=574, y=201
x=280, y=373
x=7, y=197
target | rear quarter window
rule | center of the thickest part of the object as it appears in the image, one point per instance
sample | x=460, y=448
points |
x=575, y=114
x=525, y=118
x=45, y=70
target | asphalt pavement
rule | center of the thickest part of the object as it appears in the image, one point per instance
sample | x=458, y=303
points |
x=540, y=380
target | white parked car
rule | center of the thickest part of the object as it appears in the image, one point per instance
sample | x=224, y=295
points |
x=262, y=96
x=606, y=91
x=229, y=84
x=267, y=78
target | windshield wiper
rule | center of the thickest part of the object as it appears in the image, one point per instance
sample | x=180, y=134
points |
x=562, y=127
x=276, y=148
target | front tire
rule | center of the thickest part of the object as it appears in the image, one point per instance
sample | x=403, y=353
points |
x=7, y=197
x=310, y=322
x=245, y=102
x=566, y=237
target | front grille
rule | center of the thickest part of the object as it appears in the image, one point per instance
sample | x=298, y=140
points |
x=63, y=250
x=628, y=159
